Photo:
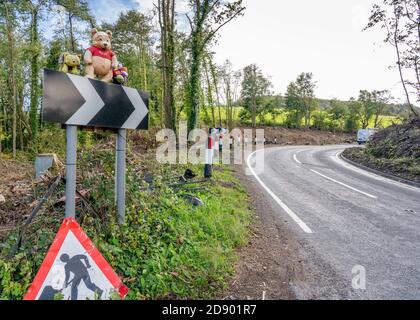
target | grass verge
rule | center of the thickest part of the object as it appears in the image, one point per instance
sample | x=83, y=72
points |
x=167, y=248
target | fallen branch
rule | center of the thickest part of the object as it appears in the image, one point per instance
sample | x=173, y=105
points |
x=175, y=185
x=34, y=212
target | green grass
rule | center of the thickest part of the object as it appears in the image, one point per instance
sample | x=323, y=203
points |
x=386, y=121
x=280, y=119
x=167, y=249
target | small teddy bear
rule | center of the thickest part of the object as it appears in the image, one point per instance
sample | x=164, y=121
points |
x=120, y=75
x=99, y=58
x=70, y=63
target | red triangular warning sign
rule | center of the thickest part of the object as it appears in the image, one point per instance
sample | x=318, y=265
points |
x=75, y=268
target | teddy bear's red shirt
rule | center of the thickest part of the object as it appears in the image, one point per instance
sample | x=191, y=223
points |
x=98, y=52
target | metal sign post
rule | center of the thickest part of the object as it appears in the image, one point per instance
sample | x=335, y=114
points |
x=120, y=174
x=78, y=101
x=71, y=157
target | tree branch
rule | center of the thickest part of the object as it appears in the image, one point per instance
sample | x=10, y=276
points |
x=213, y=33
x=189, y=20
x=397, y=19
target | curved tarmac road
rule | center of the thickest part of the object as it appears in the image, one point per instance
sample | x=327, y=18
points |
x=347, y=217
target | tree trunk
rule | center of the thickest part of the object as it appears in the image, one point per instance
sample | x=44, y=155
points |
x=210, y=94
x=194, y=86
x=167, y=24
x=11, y=72
x=216, y=88
x=72, y=42
x=254, y=97
x=198, y=43
x=2, y=118
x=378, y=113
x=307, y=112
x=33, y=110
x=229, y=106
x=254, y=114
x=20, y=131
x=397, y=49
x=146, y=83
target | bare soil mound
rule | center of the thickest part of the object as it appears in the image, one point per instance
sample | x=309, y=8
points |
x=287, y=136
x=16, y=190
x=397, y=141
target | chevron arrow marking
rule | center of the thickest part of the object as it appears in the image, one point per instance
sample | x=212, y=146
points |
x=74, y=100
x=91, y=107
x=140, y=111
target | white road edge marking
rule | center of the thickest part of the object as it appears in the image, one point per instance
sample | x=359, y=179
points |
x=293, y=215
x=296, y=159
x=338, y=160
x=344, y=185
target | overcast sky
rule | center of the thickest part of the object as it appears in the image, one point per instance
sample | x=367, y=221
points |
x=287, y=37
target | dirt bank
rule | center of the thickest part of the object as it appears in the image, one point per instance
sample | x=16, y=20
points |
x=16, y=188
x=394, y=150
x=305, y=137
x=404, y=168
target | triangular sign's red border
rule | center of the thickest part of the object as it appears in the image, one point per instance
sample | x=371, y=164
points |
x=70, y=224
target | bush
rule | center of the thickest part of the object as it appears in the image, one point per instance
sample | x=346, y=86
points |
x=351, y=124
x=167, y=249
x=319, y=120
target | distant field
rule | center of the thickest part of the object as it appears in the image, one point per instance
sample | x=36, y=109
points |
x=386, y=121
x=279, y=120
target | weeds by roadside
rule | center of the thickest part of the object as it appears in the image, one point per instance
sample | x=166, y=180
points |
x=167, y=248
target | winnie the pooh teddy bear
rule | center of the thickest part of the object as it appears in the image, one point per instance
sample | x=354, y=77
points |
x=99, y=58
x=70, y=63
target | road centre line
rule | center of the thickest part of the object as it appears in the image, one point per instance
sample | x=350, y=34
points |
x=335, y=181
x=344, y=185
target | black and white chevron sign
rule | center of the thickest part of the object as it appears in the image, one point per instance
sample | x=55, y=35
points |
x=75, y=100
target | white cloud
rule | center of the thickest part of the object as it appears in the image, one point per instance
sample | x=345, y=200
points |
x=146, y=4
x=181, y=5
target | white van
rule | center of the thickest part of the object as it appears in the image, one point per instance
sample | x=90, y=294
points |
x=364, y=135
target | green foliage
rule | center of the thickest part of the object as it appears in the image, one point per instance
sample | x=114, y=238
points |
x=209, y=16
x=15, y=277
x=58, y=296
x=169, y=249
x=25, y=52
x=279, y=116
x=255, y=88
x=52, y=139
x=320, y=120
x=399, y=20
x=166, y=249
x=56, y=48
x=300, y=100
